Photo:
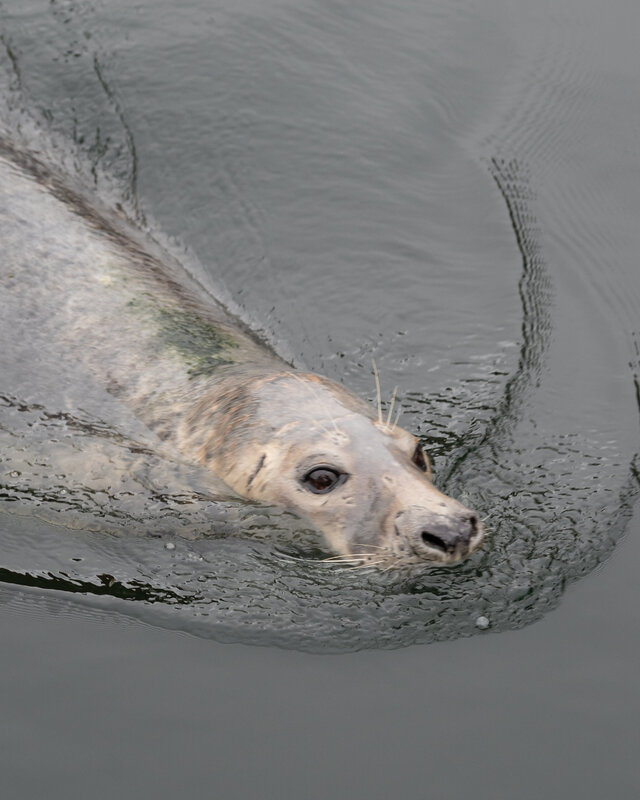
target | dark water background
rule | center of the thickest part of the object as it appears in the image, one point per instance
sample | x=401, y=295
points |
x=449, y=187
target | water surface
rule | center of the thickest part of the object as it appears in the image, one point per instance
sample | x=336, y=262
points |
x=450, y=189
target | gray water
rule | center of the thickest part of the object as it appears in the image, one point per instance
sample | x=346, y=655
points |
x=450, y=188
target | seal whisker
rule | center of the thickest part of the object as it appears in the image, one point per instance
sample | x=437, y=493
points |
x=397, y=418
x=364, y=566
x=391, y=405
x=341, y=557
x=360, y=544
x=358, y=554
x=352, y=563
x=353, y=557
x=378, y=397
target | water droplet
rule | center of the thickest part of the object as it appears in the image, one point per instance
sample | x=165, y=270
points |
x=169, y=546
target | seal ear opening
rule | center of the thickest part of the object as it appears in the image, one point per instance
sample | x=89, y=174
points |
x=421, y=460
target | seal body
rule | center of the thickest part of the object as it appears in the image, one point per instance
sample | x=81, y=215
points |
x=197, y=377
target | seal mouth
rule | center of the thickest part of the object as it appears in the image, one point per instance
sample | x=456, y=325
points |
x=433, y=554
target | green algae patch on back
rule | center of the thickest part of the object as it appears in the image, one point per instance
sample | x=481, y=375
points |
x=203, y=346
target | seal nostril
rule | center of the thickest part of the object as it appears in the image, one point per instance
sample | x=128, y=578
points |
x=432, y=540
x=473, y=522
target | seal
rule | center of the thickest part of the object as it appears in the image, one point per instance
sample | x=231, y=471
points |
x=112, y=298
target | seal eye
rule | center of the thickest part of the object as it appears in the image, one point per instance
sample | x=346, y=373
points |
x=322, y=480
x=418, y=458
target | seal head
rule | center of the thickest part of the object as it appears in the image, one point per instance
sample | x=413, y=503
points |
x=308, y=444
